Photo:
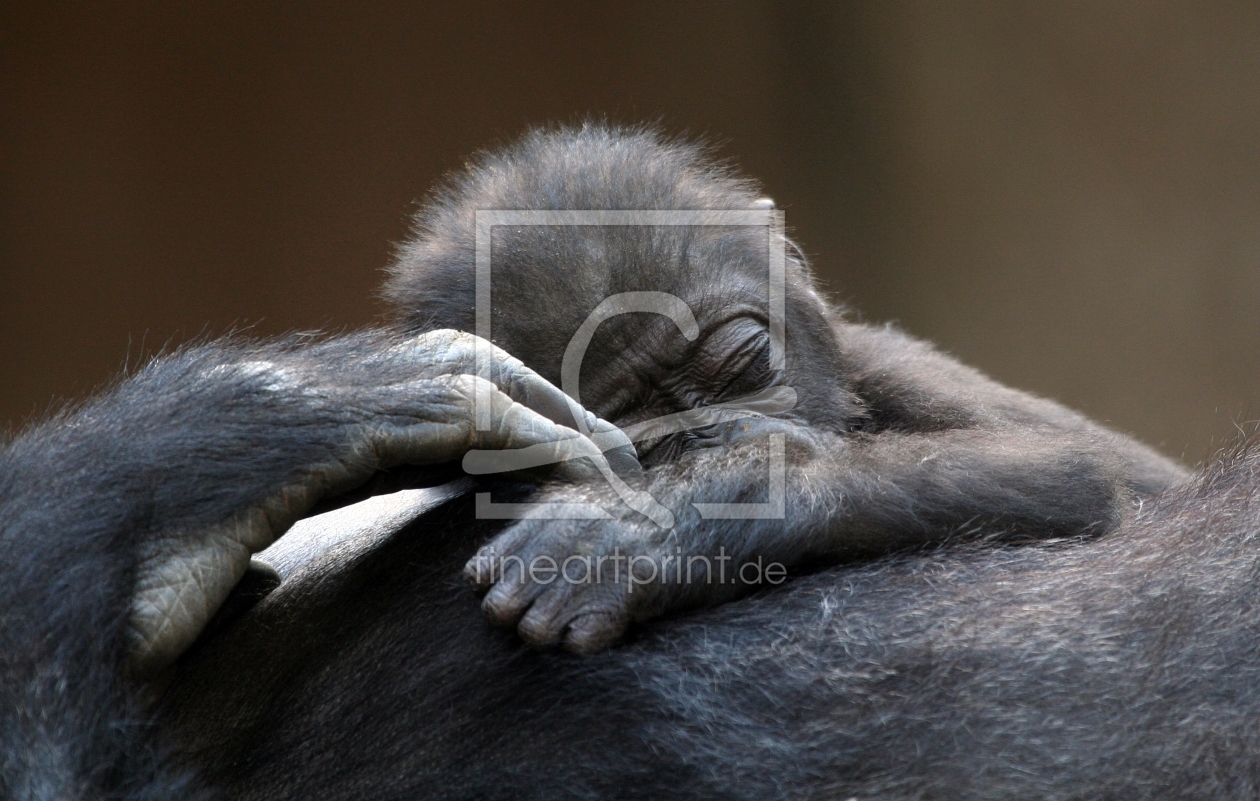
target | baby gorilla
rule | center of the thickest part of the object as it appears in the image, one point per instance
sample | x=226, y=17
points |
x=883, y=442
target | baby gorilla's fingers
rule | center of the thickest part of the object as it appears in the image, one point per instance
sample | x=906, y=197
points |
x=595, y=631
x=584, y=618
x=512, y=595
x=562, y=582
x=508, y=600
x=544, y=622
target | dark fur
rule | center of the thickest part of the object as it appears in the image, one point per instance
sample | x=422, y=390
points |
x=1119, y=666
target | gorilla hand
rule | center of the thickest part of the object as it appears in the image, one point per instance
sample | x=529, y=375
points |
x=409, y=404
x=581, y=583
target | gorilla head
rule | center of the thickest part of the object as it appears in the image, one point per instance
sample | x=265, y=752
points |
x=547, y=279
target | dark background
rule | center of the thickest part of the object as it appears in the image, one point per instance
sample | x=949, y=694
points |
x=1066, y=195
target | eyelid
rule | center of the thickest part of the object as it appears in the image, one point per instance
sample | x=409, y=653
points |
x=743, y=358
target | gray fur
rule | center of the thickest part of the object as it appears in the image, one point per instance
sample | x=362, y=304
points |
x=999, y=608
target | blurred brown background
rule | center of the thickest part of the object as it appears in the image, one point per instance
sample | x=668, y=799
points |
x=1066, y=195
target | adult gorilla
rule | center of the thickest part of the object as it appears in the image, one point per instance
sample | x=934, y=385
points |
x=1119, y=664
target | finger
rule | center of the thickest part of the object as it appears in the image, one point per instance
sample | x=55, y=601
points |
x=455, y=352
x=593, y=632
x=509, y=599
x=515, y=427
x=620, y=452
x=586, y=618
x=446, y=432
x=544, y=622
x=537, y=629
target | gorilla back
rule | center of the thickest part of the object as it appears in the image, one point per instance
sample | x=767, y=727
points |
x=1122, y=667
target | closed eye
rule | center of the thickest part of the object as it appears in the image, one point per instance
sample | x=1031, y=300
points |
x=747, y=370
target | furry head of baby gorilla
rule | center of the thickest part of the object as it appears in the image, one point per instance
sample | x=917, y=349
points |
x=877, y=441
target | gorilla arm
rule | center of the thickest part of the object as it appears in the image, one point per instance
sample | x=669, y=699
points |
x=942, y=451
x=126, y=522
x=909, y=386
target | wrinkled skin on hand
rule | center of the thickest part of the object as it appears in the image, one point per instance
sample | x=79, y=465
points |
x=581, y=583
